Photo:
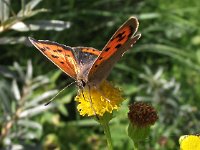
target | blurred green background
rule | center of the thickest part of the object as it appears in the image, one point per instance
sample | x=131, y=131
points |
x=163, y=69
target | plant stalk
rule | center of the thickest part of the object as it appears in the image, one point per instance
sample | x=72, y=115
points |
x=107, y=134
x=135, y=146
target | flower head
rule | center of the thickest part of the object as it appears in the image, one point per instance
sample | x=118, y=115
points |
x=97, y=101
x=189, y=142
x=142, y=114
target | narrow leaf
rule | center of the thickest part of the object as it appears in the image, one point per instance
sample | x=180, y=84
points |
x=16, y=90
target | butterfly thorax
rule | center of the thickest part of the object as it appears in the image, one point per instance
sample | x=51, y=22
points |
x=81, y=84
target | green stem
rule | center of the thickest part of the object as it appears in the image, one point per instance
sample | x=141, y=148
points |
x=108, y=135
x=104, y=121
x=135, y=146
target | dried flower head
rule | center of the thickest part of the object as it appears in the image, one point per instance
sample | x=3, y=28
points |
x=142, y=114
x=95, y=101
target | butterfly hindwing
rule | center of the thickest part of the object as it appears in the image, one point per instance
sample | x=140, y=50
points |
x=120, y=42
x=61, y=55
x=90, y=50
x=85, y=57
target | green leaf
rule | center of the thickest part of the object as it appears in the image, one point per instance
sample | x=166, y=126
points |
x=29, y=7
x=4, y=10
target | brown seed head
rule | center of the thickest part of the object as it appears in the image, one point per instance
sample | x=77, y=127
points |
x=142, y=114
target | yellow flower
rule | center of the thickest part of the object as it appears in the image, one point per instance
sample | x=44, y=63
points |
x=95, y=101
x=189, y=142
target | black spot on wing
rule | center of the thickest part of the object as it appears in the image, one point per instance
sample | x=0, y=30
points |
x=68, y=55
x=107, y=49
x=120, y=35
x=42, y=49
x=59, y=50
x=62, y=62
x=118, y=46
x=46, y=47
x=54, y=56
x=121, y=38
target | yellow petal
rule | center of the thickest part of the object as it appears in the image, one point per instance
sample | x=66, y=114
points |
x=95, y=101
x=189, y=142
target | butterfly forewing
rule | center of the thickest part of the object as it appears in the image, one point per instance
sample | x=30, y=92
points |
x=61, y=55
x=85, y=55
x=120, y=42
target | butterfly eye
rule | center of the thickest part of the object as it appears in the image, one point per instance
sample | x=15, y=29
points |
x=81, y=83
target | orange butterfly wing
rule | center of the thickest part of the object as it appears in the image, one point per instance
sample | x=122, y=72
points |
x=120, y=42
x=62, y=56
x=90, y=50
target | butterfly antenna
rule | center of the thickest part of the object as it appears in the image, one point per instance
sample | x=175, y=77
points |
x=59, y=93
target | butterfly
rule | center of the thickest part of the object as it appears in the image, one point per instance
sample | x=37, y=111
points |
x=87, y=65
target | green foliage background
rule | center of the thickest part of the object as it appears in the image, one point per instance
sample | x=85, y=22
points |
x=161, y=69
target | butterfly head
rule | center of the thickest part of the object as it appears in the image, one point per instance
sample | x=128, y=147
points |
x=81, y=83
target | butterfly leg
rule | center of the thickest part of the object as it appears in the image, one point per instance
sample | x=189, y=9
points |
x=81, y=91
x=90, y=99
